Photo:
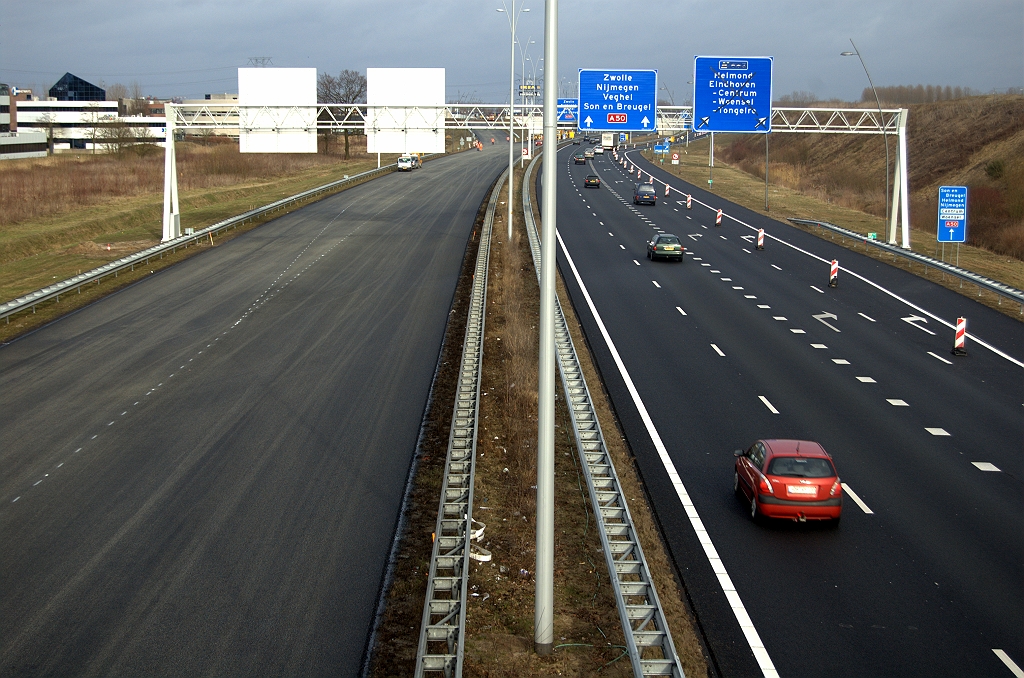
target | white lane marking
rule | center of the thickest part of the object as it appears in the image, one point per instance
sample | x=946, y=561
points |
x=776, y=267
x=796, y=331
x=717, y=350
x=939, y=357
x=820, y=317
x=749, y=296
x=601, y=222
x=778, y=317
x=986, y=466
x=866, y=317
x=1010, y=664
x=747, y=251
x=896, y=402
x=724, y=580
x=681, y=310
x=818, y=346
x=856, y=499
x=736, y=287
x=937, y=431
x=714, y=271
x=636, y=262
x=610, y=233
x=705, y=264
x=656, y=284
x=687, y=216
x=15, y=499
x=622, y=247
x=840, y=361
x=726, y=279
x=77, y=451
x=914, y=319
x=866, y=380
x=763, y=306
x=698, y=259
x=702, y=225
x=817, y=290
x=771, y=408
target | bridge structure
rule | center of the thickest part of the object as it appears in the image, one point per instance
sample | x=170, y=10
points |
x=197, y=118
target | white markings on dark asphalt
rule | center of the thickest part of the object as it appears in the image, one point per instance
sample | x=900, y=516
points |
x=896, y=402
x=611, y=234
x=601, y=222
x=636, y=262
x=914, y=319
x=763, y=306
x=817, y=290
x=771, y=408
x=866, y=317
x=776, y=267
x=935, y=431
x=797, y=331
x=1010, y=664
x=681, y=310
x=735, y=287
x=747, y=251
x=714, y=271
x=656, y=284
x=986, y=466
x=717, y=350
x=705, y=264
x=856, y=499
x=749, y=296
x=840, y=361
x=831, y=316
x=723, y=237
x=939, y=357
x=697, y=259
x=622, y=247
x=818, y=346
x=866, y=380
x=725, y=279
x=778, y=317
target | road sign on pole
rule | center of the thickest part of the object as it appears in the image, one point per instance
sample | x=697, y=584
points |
x=732, y=94
x=568, y=110
x=618, y=100
x=952, y=214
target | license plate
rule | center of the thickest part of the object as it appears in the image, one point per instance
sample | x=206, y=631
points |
x=802, y=489
x=670, y=249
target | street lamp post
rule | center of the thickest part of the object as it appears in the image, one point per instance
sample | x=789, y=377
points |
x=881, y=122
x=513, y=21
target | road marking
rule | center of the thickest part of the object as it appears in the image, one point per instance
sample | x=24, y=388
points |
x=601, y=222
x=896, y=402
x=698, y=258
x=714, y=559
x=747, y=251
x=687, y=216
x=749, y=296
x=717, y=350
x=776, y=267
x=1010, y=664
x=937, y=431
x=735, y=287
x=939, y=357
x=681, y=310
x=818, y=346
x=610, y=233
x=763, y=306
x=702, y=225
x=622, y=247
x=656, y=284
x=636, y=262
x=817, y=290
x=705, y=264
x=856, y=499
x=725, y=279
x=778, y=317
x=796, y=331
x=866, y=380
x=723, y=237
x=840, y=361
x=771, y=408
x=821, y=319
x=986, y=466
x=866, y=317
x=914, y=319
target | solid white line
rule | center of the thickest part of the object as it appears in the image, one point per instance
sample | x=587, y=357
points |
x=767, y=404
x=856, y=499
x=717, y=350
x=939, y=357
x=746, y=625
x=1010, y=664
x=866, y=317
x=680, y=310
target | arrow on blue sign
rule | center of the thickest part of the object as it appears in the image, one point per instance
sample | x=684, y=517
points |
x=617, y=100
x=732, y=94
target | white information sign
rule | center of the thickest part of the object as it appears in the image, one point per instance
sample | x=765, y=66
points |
x=277, y=110
x=405, y=110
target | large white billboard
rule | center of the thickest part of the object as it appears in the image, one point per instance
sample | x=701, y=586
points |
x=277, y=110
x=405, y=110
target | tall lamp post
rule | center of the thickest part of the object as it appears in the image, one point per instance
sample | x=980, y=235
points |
x=881, y=122
x=513, y=21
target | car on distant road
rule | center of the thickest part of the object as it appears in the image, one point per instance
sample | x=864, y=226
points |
x=645, y=193
x=589, y=153
x=579, y=159
x=665, y=245
x=592, y=180
x=599, y=150
x=791, y=479
x=577, y=141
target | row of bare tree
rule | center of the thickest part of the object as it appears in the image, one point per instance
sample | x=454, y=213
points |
x=348, y=87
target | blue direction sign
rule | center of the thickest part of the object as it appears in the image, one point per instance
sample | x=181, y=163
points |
x=568, y=109
x=732, y=94
x=616, y=101
x=659, y=148
x=952, y=214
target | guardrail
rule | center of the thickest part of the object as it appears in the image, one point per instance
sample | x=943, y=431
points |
x=981, y=281
x=444, y=609
x=648, y=640
x=33, y=299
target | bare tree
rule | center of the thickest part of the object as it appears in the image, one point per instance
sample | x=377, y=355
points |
x=116, y=92
x=47, y=121
x=348, y=87
x=94, y=119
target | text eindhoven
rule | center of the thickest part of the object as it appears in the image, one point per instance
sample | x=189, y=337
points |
x=735, y=92
x=617, y=88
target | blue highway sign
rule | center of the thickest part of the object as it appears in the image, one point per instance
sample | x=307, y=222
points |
x=732, y=94
x=568, y=109
x=952, y=214
x=616, y=101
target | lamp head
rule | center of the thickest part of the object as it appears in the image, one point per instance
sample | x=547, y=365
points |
x=847, y=54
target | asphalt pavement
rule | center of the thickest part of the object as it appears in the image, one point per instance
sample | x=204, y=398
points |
x=203, y=472
x=925, y=575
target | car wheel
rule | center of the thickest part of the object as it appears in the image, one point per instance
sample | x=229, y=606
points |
x=755, y=515
x=736, y=484
x=834, y=523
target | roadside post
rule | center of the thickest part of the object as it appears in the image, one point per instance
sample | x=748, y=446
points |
x=689, y=202
x=959, y=340
x=760, y=238
x=718, y=218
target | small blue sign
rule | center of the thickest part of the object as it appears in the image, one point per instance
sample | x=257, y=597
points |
x=658, y=148
x=568, y=109
x=622, y=136
x=618, y=100
x=952, y=214
x=732, y=94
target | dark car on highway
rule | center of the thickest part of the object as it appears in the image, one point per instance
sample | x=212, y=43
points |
x=579, y=159
x=665, y=245
x=792, y=479
x=577, y=141
x=645, y=193
x=592, y=180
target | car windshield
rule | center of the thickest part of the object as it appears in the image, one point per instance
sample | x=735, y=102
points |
x=801, y=467
x=671, y=240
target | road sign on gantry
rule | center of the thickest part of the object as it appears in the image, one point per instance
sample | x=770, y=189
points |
x=618, y=100
x=952, y=214
x=567, y=110
x=732, y=94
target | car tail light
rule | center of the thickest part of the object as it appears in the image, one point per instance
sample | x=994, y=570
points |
x=766, y=486
x=836, y=488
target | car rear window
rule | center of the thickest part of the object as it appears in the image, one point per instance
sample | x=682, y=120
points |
x=668, y=241
x=646, y=189
x=801, y=467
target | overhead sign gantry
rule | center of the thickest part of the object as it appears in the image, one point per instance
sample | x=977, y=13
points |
x=732, y=94
x=618, y=100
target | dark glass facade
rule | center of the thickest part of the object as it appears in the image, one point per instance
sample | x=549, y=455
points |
x=73, y=88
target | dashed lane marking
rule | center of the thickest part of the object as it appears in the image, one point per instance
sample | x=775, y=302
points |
x=717, y=350
x=656, y=284
x=636, y=262
x=818, y=346
x=797, y=331
x=896, y=402
x=776, y=267
x=763, y=306
x=840, y=361
x=935, y=431
x=866, y=317
x=778, y=317
x=681, y=311
x=866, y=380
x=939, y=357
x=817, y=290
x=857, y=500
x=771, y=408
x=986, y=466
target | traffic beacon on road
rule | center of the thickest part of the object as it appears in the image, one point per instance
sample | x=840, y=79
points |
x=689, y=202
x=960, y=340
x=718, y=218
x=760, y=238
x=833, y=276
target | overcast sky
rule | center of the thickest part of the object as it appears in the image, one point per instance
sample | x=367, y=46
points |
x=192, y=47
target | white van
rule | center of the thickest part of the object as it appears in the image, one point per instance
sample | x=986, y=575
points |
x=406, y=163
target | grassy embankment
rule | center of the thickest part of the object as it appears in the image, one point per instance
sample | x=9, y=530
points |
x=977, y=142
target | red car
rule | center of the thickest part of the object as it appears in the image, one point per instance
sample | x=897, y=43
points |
x=792, y=479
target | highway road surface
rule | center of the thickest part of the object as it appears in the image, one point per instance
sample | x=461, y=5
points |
x=925, y=574
x=202, y=473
